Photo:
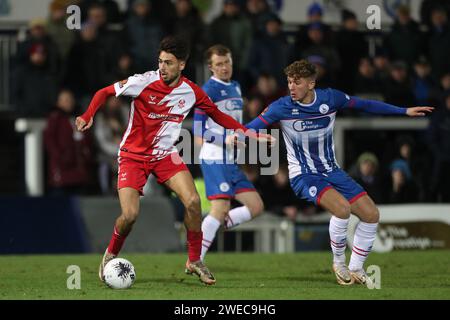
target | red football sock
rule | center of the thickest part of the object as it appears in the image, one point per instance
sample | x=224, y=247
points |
x=116, y=242
x=194, y=242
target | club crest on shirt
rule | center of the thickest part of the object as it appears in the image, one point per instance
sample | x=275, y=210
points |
x=313, y=191
x=122, y=83
x=324, y=108
x=181, y=103
x=152, y=99
x=224, y=187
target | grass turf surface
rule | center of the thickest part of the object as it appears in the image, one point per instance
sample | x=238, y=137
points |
x=404, y=275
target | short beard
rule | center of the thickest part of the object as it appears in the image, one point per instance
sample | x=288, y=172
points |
x=168, y=82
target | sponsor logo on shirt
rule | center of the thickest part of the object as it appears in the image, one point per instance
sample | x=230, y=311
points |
x=165, y=117
x=235, y=104
x=312, y=124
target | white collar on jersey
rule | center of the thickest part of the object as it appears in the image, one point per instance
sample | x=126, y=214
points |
x=220, y=81
x=309, y=104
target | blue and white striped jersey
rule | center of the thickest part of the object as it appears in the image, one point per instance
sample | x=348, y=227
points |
x=227, y=96
x=308, y=128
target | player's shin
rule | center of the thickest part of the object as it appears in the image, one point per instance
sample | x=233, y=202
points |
x=194, y=243
x=116, y=242
x=237, y=216
x=362, y=244
x=338, y=238
x=210, y=226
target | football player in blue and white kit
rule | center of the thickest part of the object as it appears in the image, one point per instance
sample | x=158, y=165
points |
x=223, y=178
x=307, y=118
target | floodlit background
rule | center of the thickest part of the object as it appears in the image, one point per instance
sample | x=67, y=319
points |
x=58, y=187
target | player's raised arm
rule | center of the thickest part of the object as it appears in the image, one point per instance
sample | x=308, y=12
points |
x=343, y=100
x=130, y=87
x=85, y=121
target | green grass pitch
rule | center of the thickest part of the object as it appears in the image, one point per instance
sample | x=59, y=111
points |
x=404, y=275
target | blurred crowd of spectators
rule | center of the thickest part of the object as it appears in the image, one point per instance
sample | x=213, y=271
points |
x=56, y=71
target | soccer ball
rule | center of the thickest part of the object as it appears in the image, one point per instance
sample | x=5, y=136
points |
x=119, y=274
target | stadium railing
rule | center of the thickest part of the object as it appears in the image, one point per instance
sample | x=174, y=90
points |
x=271, y=234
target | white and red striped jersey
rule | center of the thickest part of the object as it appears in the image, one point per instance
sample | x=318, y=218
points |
x=156, y=115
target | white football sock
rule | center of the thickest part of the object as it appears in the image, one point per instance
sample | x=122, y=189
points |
x=209, y=229
x=237, y=216
x=362, y=244
x=338, y=238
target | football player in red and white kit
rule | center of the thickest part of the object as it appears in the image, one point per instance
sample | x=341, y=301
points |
x=161, y=101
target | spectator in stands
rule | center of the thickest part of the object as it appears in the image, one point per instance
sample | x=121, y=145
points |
x=87, y=68
x=366, y=173
x=397, y=90
x=111, y=7
x=278, y=196
x=234, y=30
x=269, y=52
x=382, y=65
x=443, y=88
x=257, y=12
x=33, y=85
x=38, y=35
x=124, y=68
x=351, y=46
x=110, y=125
x=427, y=6
x=415, y=163
x=405, y=41
x=144, y=33
x=439, y=141
x=188, y=25
x=254, y=106
x=366, y=82
x=302, y=40
x=403, y=187
x=111, y=41
x=57, y=28
x=439, y=43
x=423, y=84
x=267, y=89
x=324, y=77
x=69, y=152
x=319, y=47
x=164, y=10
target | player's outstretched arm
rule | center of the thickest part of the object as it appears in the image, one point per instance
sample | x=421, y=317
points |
x=419, y=111
x=229, y=123
x=86, y=120
x=81, y=124
x=343, y=100
x=205, y=103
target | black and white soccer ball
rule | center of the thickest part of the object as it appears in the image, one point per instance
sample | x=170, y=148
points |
x=119, y=274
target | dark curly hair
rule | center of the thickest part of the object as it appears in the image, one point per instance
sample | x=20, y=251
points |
x=177, y=46
x=301, y=69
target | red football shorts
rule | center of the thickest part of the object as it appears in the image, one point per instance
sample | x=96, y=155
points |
x=134, y=173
